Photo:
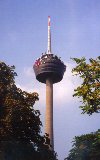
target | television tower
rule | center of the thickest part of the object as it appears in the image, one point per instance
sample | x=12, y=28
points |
x=49, y=69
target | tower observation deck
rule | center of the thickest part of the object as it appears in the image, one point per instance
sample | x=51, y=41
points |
x=49, y=69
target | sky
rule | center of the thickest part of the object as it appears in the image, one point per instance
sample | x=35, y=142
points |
x=75, y=31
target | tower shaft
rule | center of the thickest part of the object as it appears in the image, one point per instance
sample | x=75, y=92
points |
x=49, y=110
x=49, y=69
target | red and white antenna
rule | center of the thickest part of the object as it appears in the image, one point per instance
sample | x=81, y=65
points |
x=49, y=37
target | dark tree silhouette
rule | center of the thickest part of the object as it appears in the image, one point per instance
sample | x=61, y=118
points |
x=85, y=147
x=20, y=125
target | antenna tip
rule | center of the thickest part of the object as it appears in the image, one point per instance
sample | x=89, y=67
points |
x=48, y=20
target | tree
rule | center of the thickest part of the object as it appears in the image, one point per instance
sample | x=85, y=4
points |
x=85, y=147
x=89, y=90
x=20, y=125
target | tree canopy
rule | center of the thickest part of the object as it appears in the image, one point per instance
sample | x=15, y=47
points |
x=89, y=90
x=85, y=147
x=20, y=125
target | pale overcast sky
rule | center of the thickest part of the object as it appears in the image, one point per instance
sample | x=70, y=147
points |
x=75, y=27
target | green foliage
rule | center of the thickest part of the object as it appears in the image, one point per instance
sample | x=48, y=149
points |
x=89, y=90
x=20, y=125
x=85, y=147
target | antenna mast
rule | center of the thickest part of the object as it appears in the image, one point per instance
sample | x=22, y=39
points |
x=49, y=37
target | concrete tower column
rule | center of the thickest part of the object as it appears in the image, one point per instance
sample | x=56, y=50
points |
x=49, y=69
x=49, y=110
